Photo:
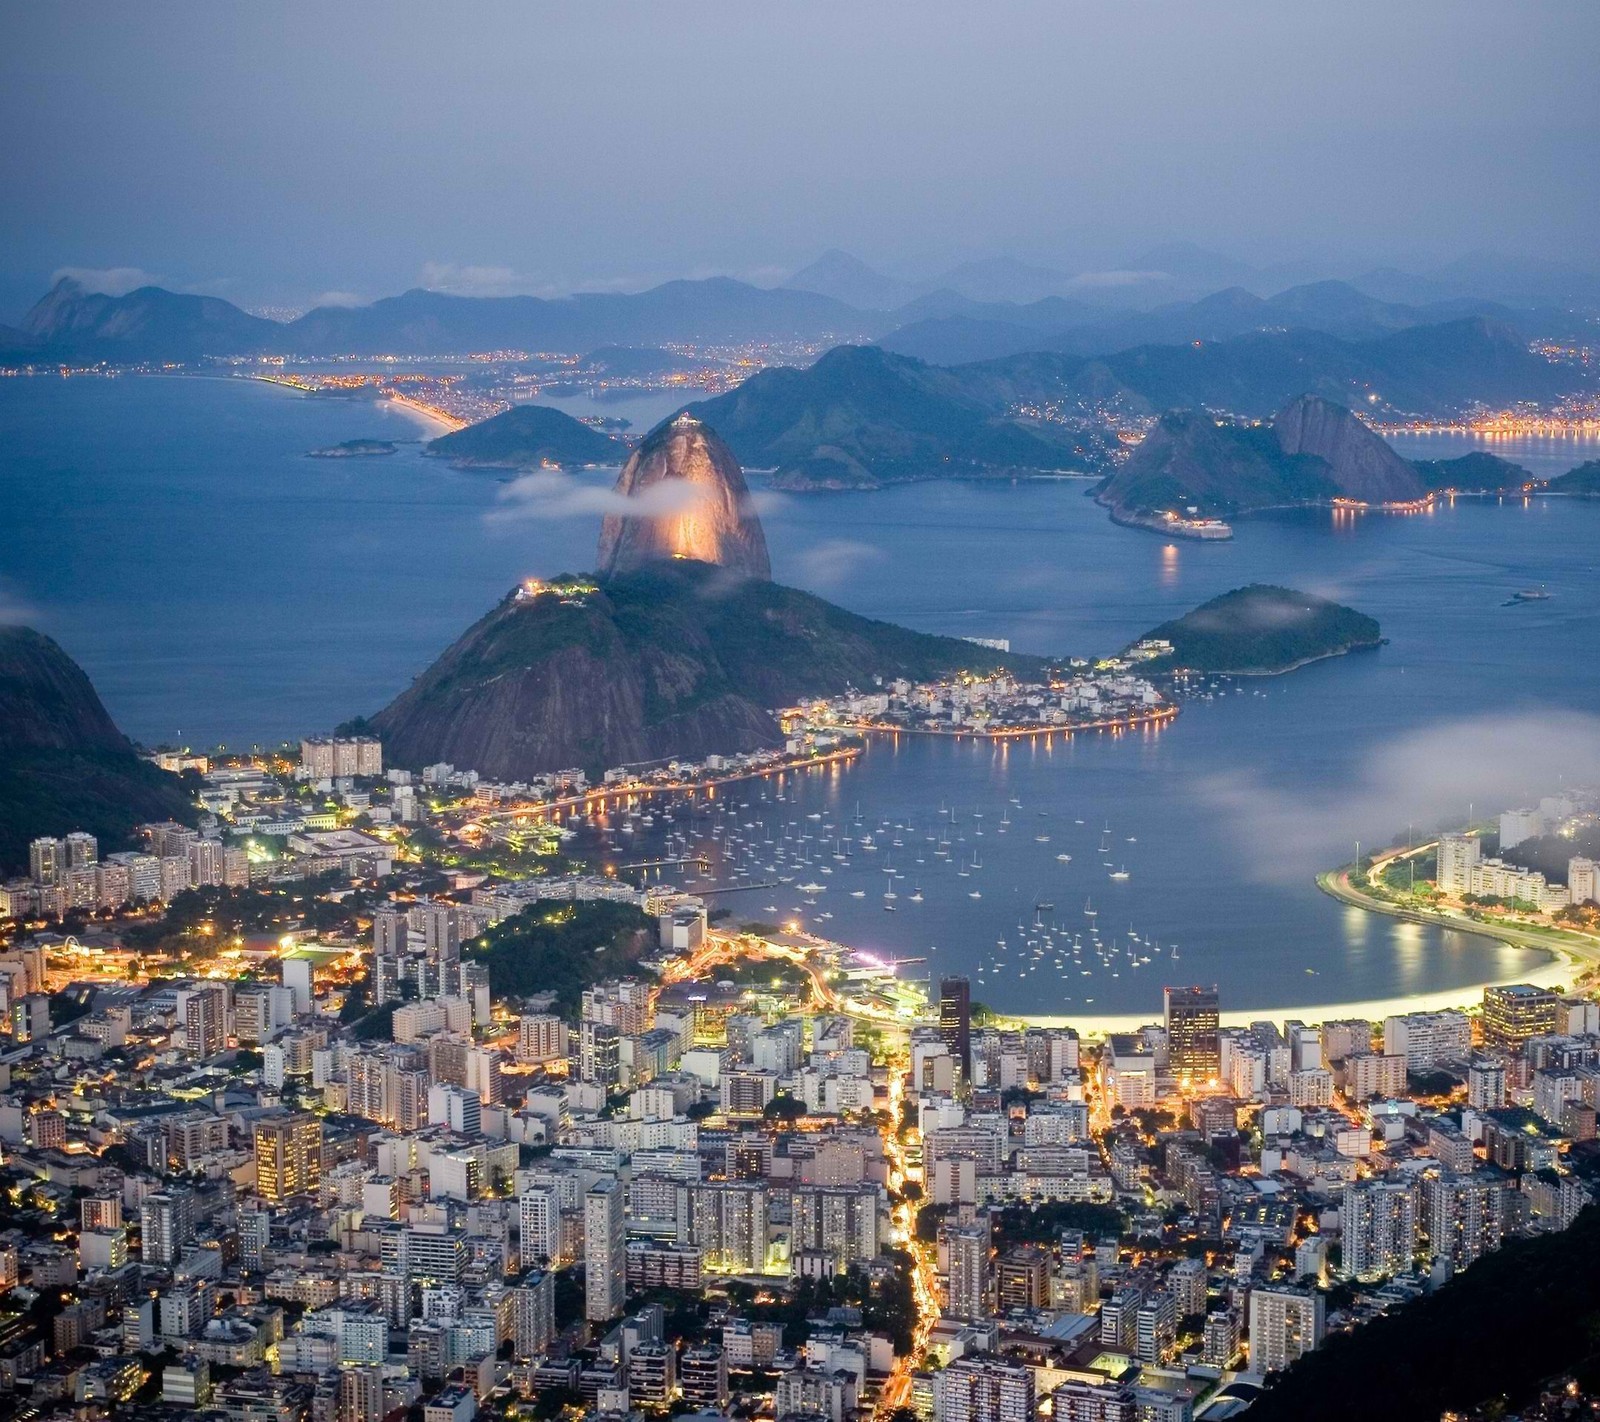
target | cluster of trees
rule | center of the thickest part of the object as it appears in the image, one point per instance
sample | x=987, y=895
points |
x=214, y=913
x=563, y=948
x=886, y=1300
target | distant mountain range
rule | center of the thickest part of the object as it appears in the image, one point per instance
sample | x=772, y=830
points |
x=957, y=332
x=965, y=318
x=1182, y=271
x=862, y=417
x=154, y=324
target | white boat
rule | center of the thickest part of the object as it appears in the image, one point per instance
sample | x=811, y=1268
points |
x=974, y=895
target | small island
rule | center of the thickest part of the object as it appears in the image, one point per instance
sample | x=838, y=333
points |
x=1258, y=630
x=528, y=437
x=355, y=449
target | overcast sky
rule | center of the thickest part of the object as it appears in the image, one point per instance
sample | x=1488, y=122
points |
x=286, y=150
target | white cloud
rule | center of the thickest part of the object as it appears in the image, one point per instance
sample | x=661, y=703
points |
x=550, y=494
x=1117, y=278
x=472, y=280
x=111, y=281
x=13, y=611
x=1428, y=779
x=338, y=298
x=834, y=561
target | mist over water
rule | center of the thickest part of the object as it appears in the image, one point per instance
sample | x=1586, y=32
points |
x=218, y=586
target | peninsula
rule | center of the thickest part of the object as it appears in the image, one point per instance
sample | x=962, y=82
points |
x=1312, y=452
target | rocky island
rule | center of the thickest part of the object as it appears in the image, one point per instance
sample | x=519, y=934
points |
x=355, y=449
x=697, y=502
x=1259, y=630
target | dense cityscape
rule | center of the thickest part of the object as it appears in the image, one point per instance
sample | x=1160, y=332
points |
x=307, y=1113
x=799, y=713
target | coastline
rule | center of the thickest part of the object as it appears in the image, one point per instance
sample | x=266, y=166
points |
x=1562, y=964
x=430, y=419
x=1295, y=666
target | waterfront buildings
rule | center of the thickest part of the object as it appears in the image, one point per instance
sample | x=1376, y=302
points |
x=1193, y=1048
x=955, y=1020
x=1428, y=1039
x=1515, y=1012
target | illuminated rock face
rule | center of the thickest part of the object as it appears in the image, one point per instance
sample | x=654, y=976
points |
x=693, y=504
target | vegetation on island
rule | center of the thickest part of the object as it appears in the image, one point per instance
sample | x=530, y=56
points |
x=1476, y=473
x=1261, y=629
x=563, y=948
x=1524, y=1313
x=862, y=417
x=1584, y=480
x=355, y=449
x=527, y=437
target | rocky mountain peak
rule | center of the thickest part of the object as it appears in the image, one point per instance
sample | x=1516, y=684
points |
x=693, y=503
x=1361, y=464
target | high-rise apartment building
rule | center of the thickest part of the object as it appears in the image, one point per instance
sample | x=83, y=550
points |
x=1285, y=1324
x=1194, y=1046
x=981, y=1387
x=288, y=1156
x=955, y=1020
x=1515, y=1012
x=967, y=1289
x=203, y=1019
x=1380, y=1230
x=604, y=1241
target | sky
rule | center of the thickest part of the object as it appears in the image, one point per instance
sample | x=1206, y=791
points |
x=300, y=151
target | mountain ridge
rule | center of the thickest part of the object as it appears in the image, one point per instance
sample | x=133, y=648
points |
x=64, y=765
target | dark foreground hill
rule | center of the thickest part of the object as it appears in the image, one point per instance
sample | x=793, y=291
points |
x=63, y=763
x=1522, y=1314
x=1262, y=629
x=678, y=659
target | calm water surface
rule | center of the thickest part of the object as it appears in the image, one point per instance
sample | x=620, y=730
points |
x=221, y=587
